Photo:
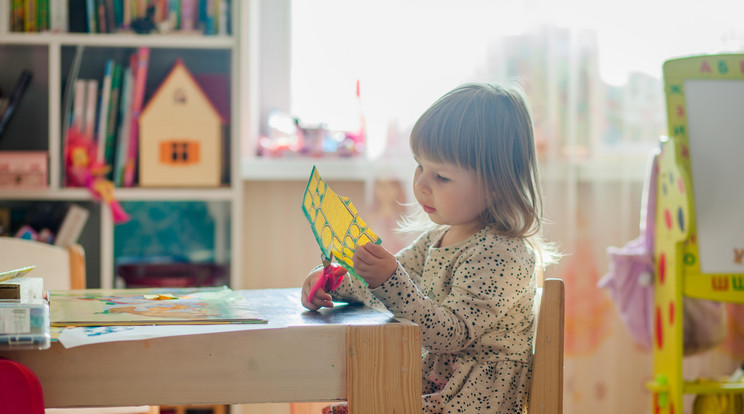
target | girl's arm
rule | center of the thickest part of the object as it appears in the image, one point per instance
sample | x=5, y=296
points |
x=486, y=295
x=412, y=257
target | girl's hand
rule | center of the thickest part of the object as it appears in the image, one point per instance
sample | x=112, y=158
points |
x=374, y=264
x=321, y=298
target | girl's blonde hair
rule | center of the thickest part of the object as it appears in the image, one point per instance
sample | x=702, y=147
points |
x=487, y=128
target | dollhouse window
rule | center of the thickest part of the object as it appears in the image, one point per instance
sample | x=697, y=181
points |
x=179, y=96
x=179, y=152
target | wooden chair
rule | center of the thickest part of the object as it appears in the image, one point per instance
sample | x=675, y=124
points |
x=546, y=392
x=62, y=268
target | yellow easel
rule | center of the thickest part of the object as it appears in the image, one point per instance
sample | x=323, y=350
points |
x=676, y=250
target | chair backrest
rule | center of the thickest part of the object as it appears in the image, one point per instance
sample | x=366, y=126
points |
x=61, y=267
x=546, y=393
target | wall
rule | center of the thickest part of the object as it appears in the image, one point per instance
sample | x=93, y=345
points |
x=279, y=248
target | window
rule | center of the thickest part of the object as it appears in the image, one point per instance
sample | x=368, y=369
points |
x=591, y=70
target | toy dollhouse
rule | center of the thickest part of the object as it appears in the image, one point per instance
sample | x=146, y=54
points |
x=181, y=134
x=699, y=222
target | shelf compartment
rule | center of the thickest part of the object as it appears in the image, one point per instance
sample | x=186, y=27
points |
x=211, y=68
x=50, y=214
x=175, y=233
x=28, y=130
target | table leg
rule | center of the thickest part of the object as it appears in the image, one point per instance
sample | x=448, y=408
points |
x=383, y=368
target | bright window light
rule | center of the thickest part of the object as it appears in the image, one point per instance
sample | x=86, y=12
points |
x=405, y=54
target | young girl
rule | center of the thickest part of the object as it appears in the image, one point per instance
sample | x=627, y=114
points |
x=469, y=279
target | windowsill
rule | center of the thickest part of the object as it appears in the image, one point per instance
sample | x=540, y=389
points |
x=339, y=169
x=359, y=169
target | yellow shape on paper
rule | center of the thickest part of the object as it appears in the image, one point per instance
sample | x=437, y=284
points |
x=160, y=296
x=335, y=222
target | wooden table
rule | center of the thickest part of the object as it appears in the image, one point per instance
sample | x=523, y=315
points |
x=348, y=353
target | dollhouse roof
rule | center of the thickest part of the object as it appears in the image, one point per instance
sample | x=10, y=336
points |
x=180, y=73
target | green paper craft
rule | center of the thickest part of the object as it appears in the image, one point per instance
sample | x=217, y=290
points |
x=12, y=274
x=335, y=222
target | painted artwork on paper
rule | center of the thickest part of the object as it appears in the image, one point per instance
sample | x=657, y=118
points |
x=150, y=306
x=335, y=222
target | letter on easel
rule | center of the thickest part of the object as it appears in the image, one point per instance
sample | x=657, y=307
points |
x=738, y=256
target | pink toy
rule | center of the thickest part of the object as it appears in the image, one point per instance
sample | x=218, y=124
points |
x=83, y=172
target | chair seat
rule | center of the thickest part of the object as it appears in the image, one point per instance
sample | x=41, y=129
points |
x=22, y=392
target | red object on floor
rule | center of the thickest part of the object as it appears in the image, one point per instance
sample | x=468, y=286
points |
x=20, y=389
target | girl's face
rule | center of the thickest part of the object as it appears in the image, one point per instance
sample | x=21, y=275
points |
x=449, y=195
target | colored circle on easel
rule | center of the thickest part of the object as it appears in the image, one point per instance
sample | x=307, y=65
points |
x=681, y=218
x=658, y=329
x=662, y=267
x=671, y=313
x=689, y=259
x=668, y=219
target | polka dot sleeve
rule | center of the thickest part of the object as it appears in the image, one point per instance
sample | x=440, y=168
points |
x=473, y=296
x=414, y=256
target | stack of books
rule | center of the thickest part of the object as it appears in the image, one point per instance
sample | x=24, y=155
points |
x=209, y=17
x=105, y=113
x=24, y=311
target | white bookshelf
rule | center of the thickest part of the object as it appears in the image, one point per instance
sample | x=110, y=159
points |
x=47, y=52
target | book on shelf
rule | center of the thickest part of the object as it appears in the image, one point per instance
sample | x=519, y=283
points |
x=139, y=70
x=78, y=106
x=42, y=15
x=112, y=119
x=30, y=16
x=188, y=14
x=107, y=14
x=77, y=17
x=107, y=113
x=125, y=117
x=208, y=14
x=103, y=109
x=90, y=16
x=91, y=104
x=16, y=15
x=108, y=118
x=112, y=16
x=58, y=16
x=15, y=99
